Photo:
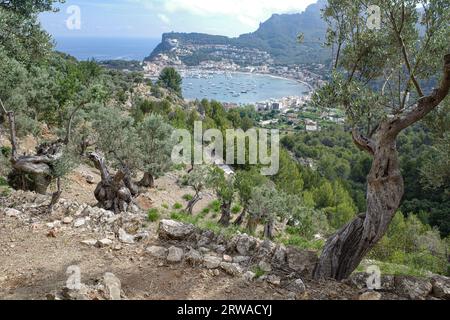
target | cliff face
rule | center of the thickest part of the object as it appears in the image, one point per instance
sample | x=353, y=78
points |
x=277, y=36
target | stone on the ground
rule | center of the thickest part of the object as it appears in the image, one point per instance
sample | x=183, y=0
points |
x=211, y=262
x=79, y=222
x=104, y=243
x=370, y=295
x=265, y=266
x=441, y=287
x=67, y=220
x=175, y=254
x=233, y=269
x=412, y=287
x=174, y=230
x=125, y=237
x=89, y=242
x=11, y=212
x=227, y=258
x=274, y=279
x=359, y=281
x=241, y=259
x=297, y=286
x=301, y=260
x=194, y=258
x=266, y=249
x=112, y=286
x=89, y=179
x=279, y=255
x=249, y=276
x=245, y=244
x=158, y=252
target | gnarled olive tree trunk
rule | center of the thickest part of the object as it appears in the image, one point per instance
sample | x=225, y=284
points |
x=344, y=250
x=114, y=193
x=225, y=217
x=190, y=206
x=147, y=181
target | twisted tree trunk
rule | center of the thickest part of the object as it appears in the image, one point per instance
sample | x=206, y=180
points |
x=190, y=206
x=225, y=218
x=240, y=219
x=344, y=250
x=114, y=193
x=268, y=229
x=147, y=181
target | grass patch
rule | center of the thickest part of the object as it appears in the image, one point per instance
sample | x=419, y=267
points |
x=188, y=197
x=215, y=206
x=153, y=215
x=3, y=181
x=302, y=243
x=258, y=272
x=177, y=206
x=236, y=209
x=165, y=206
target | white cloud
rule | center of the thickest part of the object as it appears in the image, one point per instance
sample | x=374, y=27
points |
x=248, y=12
x=164, y=18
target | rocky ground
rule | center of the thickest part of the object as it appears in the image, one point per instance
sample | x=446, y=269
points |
x=125, y=256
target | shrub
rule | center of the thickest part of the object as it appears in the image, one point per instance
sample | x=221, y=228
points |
x=187, y=197
x=177, y=206
x=236, y=209
x=153, y=215
x=215, y=206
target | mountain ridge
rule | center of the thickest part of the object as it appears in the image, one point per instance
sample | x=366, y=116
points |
x=277, y=36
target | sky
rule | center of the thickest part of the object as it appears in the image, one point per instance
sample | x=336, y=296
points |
x=151, y=18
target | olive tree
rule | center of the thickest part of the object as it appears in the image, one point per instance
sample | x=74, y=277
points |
x=266, y=205
x=156, y=144
x=199, y=178
x=382, y=79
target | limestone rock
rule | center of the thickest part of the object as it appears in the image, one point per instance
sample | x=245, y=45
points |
x=211, y=262
x=174, y=230
x=194, y=258
x=370, y=295
x=274, y=279
x=264, y=266
x=175, y=254
x=112, y=286
x=157, y=252
x=441, y=287
x=104, y=243
x=125, y=237
x=233, y=269
x=301, y=260
x=249, y=276
x=297, y=286
x=412, y=287
x=10, y=212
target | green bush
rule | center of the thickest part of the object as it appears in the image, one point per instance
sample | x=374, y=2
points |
x=177, y=206
x=153, y=215
x=188, y=197
x=3, y=181
x=236, y=209
x=215, y=206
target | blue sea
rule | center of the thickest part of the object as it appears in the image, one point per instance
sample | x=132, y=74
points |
x=107, y=48
x=241, y=88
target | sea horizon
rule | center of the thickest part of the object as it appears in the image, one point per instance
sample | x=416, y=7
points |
x=106, y=48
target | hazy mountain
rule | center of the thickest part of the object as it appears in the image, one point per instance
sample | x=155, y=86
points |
x=277, y=36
